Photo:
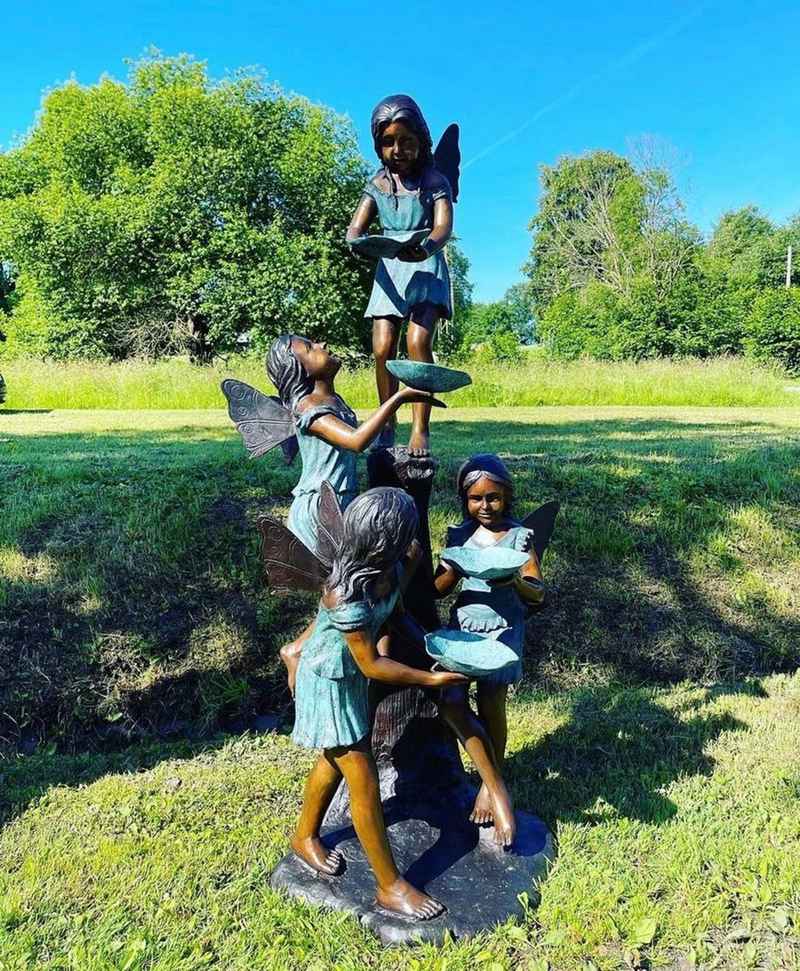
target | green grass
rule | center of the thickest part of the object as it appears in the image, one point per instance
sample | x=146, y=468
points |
x=721, y=382
x=676, y=811
x=130, y=601
x=129, y=576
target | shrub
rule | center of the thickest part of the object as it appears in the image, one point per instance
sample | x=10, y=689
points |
x=774, y=328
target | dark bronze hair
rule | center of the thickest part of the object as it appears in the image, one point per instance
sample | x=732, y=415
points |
x=378, y=528
x=287, y=373
x=401, y=107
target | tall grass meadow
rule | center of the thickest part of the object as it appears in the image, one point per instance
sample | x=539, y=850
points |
x=177, y=384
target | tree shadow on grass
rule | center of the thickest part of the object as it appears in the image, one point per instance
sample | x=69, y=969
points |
x=156, y=610
x=26, y=779
x=616, y=753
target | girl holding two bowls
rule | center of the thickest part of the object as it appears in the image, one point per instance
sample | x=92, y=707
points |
x=493, y=609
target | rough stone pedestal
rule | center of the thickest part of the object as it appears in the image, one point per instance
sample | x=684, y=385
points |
x=440, y=852
x=426, y=794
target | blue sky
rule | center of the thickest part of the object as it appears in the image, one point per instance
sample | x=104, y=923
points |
x=527, y=82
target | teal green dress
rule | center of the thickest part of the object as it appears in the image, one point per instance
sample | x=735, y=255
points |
x=400, y=286
x=494, y=612
x=331, y=693
x=321, y=462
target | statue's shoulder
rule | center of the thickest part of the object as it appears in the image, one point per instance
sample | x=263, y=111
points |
x=459, y=534
x=436, y=181
x=379, y=182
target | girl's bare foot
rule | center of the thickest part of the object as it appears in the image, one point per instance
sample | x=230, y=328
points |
x=401, y=898
x=483, y=811
x=313, y=852
x=505, y=825
x=419, y=443
x=290, y=655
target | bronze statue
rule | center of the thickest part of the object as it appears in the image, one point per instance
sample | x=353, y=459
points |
x=310, y=417
x=494, y=609
x=347, y=647
x=412, y=195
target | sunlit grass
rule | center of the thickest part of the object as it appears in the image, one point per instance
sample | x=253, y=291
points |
x=676, y=813
x=721, y=382
x=130, y=601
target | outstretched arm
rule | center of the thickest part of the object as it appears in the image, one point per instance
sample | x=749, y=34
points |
x=378, y=667
x=336, y=432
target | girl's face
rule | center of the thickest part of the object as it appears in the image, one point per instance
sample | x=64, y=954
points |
x=486, y=502
x=317, y=360
x=399, y=148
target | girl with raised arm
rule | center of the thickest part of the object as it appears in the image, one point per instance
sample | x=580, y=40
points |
x=329, y=438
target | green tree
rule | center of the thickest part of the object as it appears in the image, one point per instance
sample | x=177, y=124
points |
x=450, y=336
x=177, y=212
x=570, y=229
x=491, y=328
x=518, y=298
x=773, y=332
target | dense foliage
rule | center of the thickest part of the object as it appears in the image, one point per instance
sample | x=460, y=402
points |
x=175, y=212
x=617, y=272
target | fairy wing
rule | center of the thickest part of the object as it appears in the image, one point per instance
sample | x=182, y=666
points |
x=542, y=521
x=262, y=421
x=447, y=157
x=288, y=564
x=331, y=525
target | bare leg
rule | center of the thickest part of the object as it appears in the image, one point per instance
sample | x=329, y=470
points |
x=290, y=654
x=492, y=712
x=394, y=892
x=454, y=708
x=385, y=332
x=419, y=342
x=321, y=787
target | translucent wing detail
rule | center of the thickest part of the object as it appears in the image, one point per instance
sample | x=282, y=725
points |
x=447, y=158
x=542, y=521
x=262, y=421
x=288, y=564
x=331, y=527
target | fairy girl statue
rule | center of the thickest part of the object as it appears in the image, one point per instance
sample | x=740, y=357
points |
x=310, y=417
x=413, y=190
x=347, y=647
x=496, y=610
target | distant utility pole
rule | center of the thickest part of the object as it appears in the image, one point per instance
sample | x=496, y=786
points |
x=788, y=267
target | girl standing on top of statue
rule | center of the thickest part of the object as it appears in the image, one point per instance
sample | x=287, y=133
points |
x=408, y=192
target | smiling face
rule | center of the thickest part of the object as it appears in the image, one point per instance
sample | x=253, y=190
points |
x=317, y=360
x=399, y=148
x=487, y=502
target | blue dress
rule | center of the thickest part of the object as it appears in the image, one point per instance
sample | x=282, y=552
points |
x=321, y=461
x=494, y=612
x=331, y=693
x=400, y=286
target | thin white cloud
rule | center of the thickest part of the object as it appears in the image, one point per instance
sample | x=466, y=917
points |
x=635, y=54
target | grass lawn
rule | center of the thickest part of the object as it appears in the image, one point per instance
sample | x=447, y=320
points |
x=654, y=731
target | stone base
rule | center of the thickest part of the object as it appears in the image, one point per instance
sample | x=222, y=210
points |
x=451, y=859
